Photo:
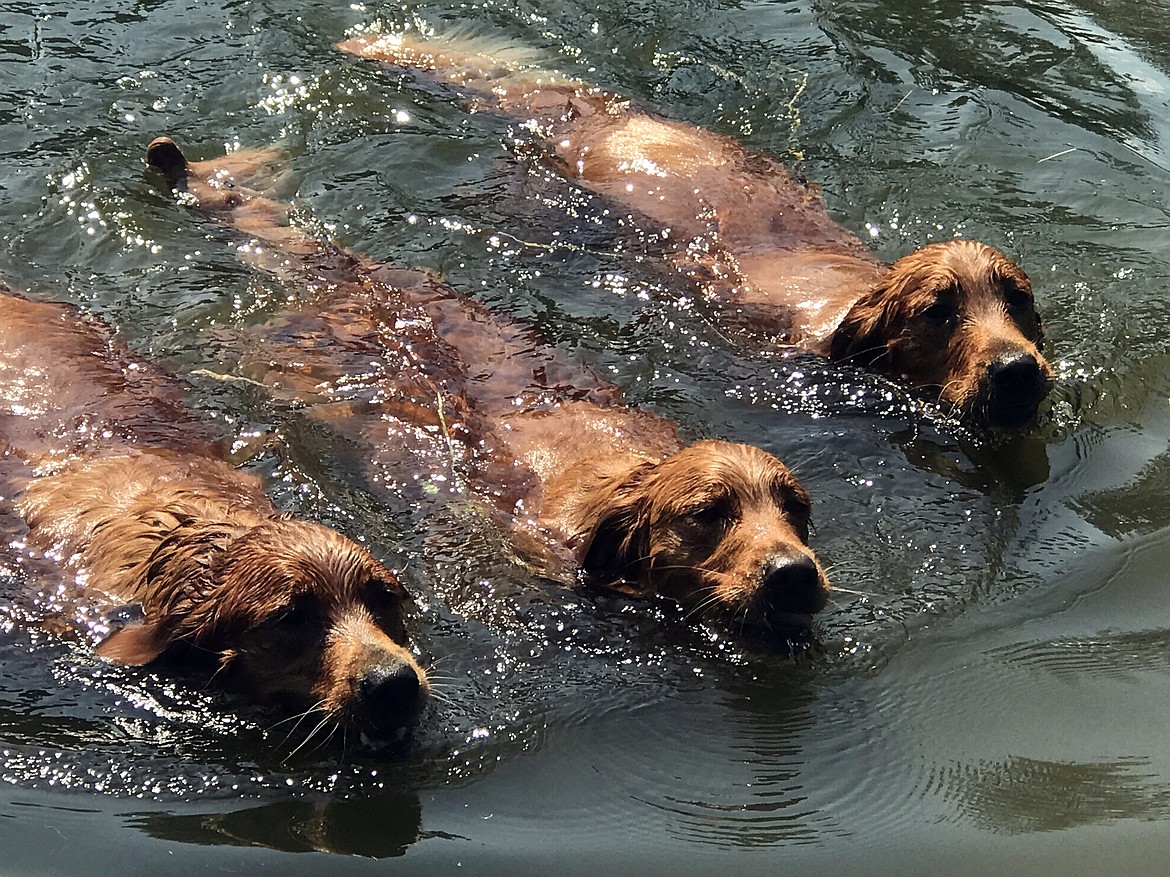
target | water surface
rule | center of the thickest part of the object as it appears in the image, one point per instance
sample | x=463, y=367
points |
x=991, y=695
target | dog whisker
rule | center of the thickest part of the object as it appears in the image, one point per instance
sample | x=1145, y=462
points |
x=710, y=600
x=861, y=354
x=702, y=570
x=435, y=662
x=838, y=588
x=943, y=389
x=315, y=709
x=442, y=698
x=844, y=566
x=803, y=462
x=321, y=724
x=297, y=719
x=324, y=741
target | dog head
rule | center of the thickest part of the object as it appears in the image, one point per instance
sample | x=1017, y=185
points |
x=958, y=318
x=294, y=612
x=719, y=527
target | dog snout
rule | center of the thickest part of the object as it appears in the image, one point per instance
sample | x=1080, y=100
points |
x=1017, y=384
x=792, y=585
x=390, y=693
x=1016, y=374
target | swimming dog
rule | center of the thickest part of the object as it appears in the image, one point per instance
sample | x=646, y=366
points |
x=956, y=319
x=114, y=475
x=423, y=379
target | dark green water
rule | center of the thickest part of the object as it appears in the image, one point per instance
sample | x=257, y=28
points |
x=994, y=701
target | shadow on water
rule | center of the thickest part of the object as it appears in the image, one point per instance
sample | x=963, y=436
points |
x=1005, y=466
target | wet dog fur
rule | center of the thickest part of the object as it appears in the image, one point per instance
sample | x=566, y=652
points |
x=132, y=492
x=719, y=527
x=956, y=319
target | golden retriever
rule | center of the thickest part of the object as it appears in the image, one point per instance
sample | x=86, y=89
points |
x=956, y=319
x=425, y=380
x=130, y=489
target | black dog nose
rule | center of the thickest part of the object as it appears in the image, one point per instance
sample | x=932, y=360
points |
x=1016, y=385
x=389, y=691
x=1015, y=375
x=792, y=583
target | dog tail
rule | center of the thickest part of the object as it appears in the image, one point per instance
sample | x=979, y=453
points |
x=471, y=62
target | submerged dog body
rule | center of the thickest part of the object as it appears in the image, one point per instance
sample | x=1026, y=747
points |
x=954, y=318
x=116, y=477
x=424, y=379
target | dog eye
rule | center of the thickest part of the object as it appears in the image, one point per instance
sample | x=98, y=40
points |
x=299, y=615
x=384, y=602
x=798, y=511
x=711, y=515
x=294, y=617
x=940, y=313
x=1015, y=297
x=796, y=508
x=379, y=593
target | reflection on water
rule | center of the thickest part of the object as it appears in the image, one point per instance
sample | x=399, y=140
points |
x=988, y=691
x=1025, y=795
x=1122, y=655
x=341, y=827
x=1140, y=507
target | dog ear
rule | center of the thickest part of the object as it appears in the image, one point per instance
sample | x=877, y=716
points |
x=880, y=316
x=390, y=581
x=164, y=154
x=615, y=540
x=135, y=644
x=862, y=336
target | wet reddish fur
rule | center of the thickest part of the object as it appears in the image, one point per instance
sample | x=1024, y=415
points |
x=130, y=489
x=724, y=508
x=434, y=384
x=754, y=236
x=987, y=303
